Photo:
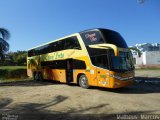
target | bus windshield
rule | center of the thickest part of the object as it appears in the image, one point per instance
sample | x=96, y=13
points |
x=122, y=63
x=106, y=59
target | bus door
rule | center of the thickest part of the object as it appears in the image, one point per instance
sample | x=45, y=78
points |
x=102, y=77
x=69, y=71
x=101, y=70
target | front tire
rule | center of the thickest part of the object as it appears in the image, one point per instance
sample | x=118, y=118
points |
x=83, y=81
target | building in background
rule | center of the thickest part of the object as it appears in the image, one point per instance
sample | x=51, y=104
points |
x=150, y=54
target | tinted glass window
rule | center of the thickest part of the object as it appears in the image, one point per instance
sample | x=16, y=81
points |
x=100, y=61
x=115, y=38
x=103, y=36
x=43, y=49
x=58, y=64
x=62, y=64
x=57, y=46
x=78, y=64
x=30, y=53
x=52, y=46
x=100, y=57
x=72, y=43
x=68, y=43
x=92, y=37
x=95, y=51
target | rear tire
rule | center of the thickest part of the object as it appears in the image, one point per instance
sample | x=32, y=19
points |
x=36, y=76
x=40, y=77
x=83, y=81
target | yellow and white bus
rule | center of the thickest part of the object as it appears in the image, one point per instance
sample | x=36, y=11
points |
x=95, y=57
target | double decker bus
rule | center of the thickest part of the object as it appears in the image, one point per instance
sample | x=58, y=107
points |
x=95, y=57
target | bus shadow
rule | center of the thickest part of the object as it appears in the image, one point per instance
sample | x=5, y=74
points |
x=148, y=79
x=142, y=85
x=28, y=83
x=43, y=111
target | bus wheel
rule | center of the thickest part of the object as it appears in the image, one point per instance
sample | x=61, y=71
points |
x=36, y=76
x=83, y=81
x=40, y=77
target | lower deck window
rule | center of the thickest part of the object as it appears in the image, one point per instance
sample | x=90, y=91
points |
x=100, y=61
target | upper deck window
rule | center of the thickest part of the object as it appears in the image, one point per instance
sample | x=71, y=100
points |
x=64, y=44
x=115, y=38
x=99, y=36
x=92, y=37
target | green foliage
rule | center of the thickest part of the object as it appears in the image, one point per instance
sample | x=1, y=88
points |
x=12, y=67
x=4, y=46
x=13, y=72
x=19, y=57
x=15, y=58
x=137, y=50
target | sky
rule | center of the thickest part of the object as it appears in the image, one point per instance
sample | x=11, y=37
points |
x=34, y=22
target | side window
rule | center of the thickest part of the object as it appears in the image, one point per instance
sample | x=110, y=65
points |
x=58, y=64
x=78, y=64
x=100, y=61
x=56, y=46
x=30, y=53
x=44, y=49
x=52, y=47
x=68, y=43
x=33, y=52
x=47, y=49
x=72, y=43
x=60, y=45
x=37, y=51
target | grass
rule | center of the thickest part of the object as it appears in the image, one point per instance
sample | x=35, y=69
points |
x=12, y=67
x=13, y=73
x=14, y=80
x=147, y=69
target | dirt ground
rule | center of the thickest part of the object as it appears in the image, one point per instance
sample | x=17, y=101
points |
x=31, y=100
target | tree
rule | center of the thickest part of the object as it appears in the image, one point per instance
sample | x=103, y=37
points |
x=15, y=58
x=4, y=46
x=137, y=50
x=19, y=57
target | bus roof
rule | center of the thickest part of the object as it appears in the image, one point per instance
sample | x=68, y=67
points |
x=54, y=41
x=98, y=29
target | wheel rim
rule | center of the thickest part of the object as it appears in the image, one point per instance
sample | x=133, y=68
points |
x=84, y=81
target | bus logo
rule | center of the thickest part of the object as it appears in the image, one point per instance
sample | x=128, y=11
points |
x=92, y=37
